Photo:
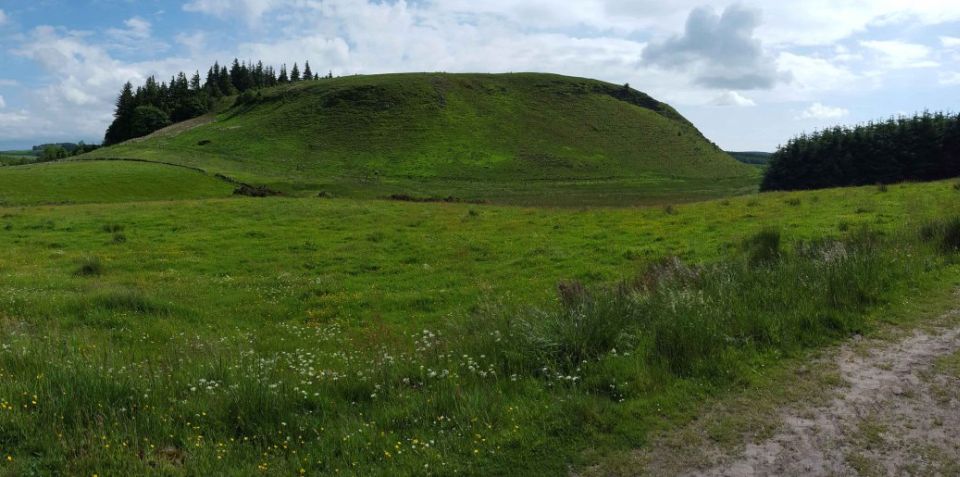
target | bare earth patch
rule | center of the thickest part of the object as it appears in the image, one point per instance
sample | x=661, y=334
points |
x=869, y=407
x=896, y=413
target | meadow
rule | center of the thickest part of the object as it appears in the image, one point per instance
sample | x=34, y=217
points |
x=315, y=336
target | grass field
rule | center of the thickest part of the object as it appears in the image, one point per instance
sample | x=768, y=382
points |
x=509, y=139
x=366, y=337
x=104, y=181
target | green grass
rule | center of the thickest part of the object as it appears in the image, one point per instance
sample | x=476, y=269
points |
x=510, y=139
x=237, y=336
x=104, y=181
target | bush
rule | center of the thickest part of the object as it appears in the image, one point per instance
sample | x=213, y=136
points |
x=763, y=247
x=127, y=300
x=89, y=266
x=147, y=119
x=945, y=234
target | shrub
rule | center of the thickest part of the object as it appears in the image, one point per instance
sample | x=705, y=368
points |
x=127, y=300
x=119, y=238
x=89, y=266
x=945, y=234
x=763, y=247
x=112, y=228
x=669, y=210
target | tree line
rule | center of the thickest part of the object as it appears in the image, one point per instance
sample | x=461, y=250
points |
x=923, y=147
x=155, y=105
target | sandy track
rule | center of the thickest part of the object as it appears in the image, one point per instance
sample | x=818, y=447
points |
x=896, y=415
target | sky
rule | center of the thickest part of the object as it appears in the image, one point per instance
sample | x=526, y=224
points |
x=749, y=74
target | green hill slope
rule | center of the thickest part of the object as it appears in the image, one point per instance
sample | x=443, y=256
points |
x=504, y=138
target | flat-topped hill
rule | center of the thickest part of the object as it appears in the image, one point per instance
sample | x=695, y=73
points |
x=515, y=138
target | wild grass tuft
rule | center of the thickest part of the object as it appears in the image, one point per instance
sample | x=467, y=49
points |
x=89, y=266
x=944, y=233
x=763, y=247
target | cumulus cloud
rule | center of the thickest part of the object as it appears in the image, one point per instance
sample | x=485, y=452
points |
x=78, y=100
x=821, y=111
x=810, y=74
x=720, y=49
x=895, y=54
x=733, y=98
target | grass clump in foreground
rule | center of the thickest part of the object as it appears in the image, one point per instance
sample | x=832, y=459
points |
x=503, y=390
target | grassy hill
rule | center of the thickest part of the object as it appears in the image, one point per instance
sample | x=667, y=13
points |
x=512, y=138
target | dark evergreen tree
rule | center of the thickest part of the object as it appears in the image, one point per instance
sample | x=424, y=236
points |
x=922, y=147
x=223, y=81
x=295, y=73
x=119, y=130
x=147, y=119
x=283, y=78
x=307, y=74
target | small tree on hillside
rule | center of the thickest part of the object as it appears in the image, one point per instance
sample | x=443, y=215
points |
x=307, y=74
x=295, y=73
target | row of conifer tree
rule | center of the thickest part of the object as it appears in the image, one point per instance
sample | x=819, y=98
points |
x=155, y=105
x=919, y=148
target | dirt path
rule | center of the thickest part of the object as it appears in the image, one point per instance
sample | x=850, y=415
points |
x=898, y=414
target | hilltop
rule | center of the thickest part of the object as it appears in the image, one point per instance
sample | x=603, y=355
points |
x=509, y=138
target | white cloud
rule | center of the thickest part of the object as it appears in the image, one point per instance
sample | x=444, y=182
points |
x=3, y=104
x=78, y=100
x=251, y=10
x=811, y=75
x=194, y=42
x=899, y=55
x=950, y=41
x=137, y=28
x=820, y=111
x=9, y=82
x=3, y=17
x=733, y=98
x=720, y=50
x=950, y=78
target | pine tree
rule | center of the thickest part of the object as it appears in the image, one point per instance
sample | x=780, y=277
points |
x=223, y=81
x=283, y=75
x=119, y=130
x=295, y=73
x=307, y=74
x=212, y=84
x=195, y=81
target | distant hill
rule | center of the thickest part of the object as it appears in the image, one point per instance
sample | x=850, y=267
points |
x=755, y=158
x=503, y=138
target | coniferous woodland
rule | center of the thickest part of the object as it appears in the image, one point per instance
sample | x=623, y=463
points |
x=920, y=148
x=156, y=104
